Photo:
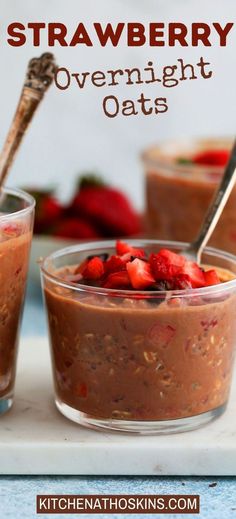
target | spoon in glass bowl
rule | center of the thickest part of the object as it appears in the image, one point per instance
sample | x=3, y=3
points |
x=194, y=251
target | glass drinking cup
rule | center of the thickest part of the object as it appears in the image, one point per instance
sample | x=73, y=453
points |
x=16, y=224
x=179, y=193
x=139, y=361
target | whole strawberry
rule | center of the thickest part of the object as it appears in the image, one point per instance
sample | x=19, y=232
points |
x=74, y=228
x=47, y=211
x=108, y=208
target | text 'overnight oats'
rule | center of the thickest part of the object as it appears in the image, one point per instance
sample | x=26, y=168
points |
x=16, y=220
x=139, y=334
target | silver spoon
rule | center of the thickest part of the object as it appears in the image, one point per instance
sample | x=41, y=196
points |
x=194, y=251
x=39, y=77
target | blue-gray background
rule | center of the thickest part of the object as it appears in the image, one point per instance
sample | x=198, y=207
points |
x=71, y=133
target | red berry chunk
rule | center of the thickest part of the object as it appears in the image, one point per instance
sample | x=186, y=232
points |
x=211, y=278
x=81, y=390
x=114, y=264
x=172, y=257
x=140, y=274
x=123, y=248
x=118, y=280
x=80, y=269
x=195, y=274
x=181, y=282
x=94, y=269
x=212, y=158
x=161, y=268
x=161, y=334
x=166, y=265
x=11, y=230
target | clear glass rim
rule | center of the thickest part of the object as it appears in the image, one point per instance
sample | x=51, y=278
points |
x=106, y=244
x=165, y=161
x=21, y=195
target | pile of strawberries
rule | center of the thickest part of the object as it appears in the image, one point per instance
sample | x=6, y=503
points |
x=96, y=210
x=130, y=268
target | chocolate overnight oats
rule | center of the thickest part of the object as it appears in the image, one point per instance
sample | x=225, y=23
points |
x=141, y=339
x=180, y=182
x=16, y=219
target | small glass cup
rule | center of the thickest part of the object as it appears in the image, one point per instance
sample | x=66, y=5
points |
x=179, y=193
x=142, y=362
x=16, y=223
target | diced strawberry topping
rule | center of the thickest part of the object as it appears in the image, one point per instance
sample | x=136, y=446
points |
x=118, y=280
x=181, y=282
x=123, y=248
x=163, y=271
x=166, y=265
x=161, y=268
x=211, y=278
x=114, y=264
x=94, y=269
x=81, y=267
x=140, y=274
x=195, y=274
x=212, y=157
x=172, y=257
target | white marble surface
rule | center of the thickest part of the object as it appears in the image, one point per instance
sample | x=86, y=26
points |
x=36, y=439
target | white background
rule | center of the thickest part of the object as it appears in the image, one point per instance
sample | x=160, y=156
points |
x=70, y=133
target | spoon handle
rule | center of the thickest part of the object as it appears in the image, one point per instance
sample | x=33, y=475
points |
x=39, y=76
x=220, y=198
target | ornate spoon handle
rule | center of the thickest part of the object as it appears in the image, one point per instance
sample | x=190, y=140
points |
x=39, y=77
